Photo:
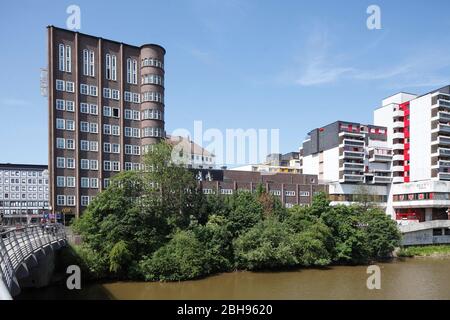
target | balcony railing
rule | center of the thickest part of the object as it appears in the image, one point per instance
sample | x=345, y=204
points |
x=444, y=176
x=352, y=178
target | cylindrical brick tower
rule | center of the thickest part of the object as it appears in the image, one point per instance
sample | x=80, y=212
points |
x=152, y=94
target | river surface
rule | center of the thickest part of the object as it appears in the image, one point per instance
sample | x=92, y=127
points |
x=412, y=278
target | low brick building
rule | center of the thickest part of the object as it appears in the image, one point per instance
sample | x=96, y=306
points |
x=291, y=188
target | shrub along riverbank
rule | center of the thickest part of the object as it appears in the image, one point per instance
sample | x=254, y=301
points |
x=157, y=225
x=425, y=251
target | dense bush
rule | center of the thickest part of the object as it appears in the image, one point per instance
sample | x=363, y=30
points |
x=180, y=259
x=157, y=225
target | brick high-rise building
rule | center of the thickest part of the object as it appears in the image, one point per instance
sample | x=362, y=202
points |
x=106, y=107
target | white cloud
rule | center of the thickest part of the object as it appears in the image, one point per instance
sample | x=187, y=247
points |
x=318, y=64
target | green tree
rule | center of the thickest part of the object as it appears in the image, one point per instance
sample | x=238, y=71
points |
x=182, y=258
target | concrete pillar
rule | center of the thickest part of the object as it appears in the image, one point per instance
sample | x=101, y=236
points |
x=428, y=214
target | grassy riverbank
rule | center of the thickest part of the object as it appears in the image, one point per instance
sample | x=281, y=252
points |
x=425, y=251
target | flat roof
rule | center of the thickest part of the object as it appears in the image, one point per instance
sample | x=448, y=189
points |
x=23, y=166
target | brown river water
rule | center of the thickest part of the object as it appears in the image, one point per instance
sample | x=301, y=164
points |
x=411, y=278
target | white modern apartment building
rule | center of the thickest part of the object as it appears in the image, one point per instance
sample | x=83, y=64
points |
x=419, y=134
x=403, y=160
x=347, y=155
x=23, y=191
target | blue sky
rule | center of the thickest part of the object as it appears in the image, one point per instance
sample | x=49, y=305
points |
x=292, y=65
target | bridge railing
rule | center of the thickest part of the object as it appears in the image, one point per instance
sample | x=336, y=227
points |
x=18, y=244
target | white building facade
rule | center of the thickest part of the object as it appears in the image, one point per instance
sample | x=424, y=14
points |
x=403, y=160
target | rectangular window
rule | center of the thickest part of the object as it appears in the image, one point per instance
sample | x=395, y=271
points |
x=304, y=193
x=107, y=165
x=115, y=166
x=128, y=149
x=84, y=163
x=128, y=166
x=70, y=86
x=84, y=182
x=107, y=147
x=93, y=146
x=91, y=63
x=84, y=126
x=94, y=183
x=115, y=112
x=84, y=107
x=93, y=91
x=70, y=106
x=70, y=182
x=70, y=163
x=113, y=68
x=60, y=124
x=107, y=129
x=107, y=111
x=61, y=200
x=60, y=104
x=84, y=89
x=93, y=164
x=70, y=125
x=115, y=94
x=84, y=145
x=136, y=98
x=60, y=85
x=85, y=62
x=68, y=59
x=61, y=55
x=70, y=144
x=84, y=201
x=71, y=201
x=115, y=148
x=108, y=66
x=127, y=96
x=60, y=181
x=107, y=93
x=93, y=127
x=60, y=162
x=93, y=109
x=60, y=143
x=115, y=130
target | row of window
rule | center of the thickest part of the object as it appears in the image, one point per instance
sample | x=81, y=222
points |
x=152, y=132
x=63, y=200
x=24, y=196
x=111, y=147
x=152, y=79
x=108, y=93
x=152, y=96
x=89, y=90
x=62, y=85
x=65, y=64
x=15, y=173
x=113, y=94
x=36, y=204
x=132, y=149
x=69, y=182
x=273, y=192
x=131, y=97
x=151, y=62
x=23, y=188
x=22, y=181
